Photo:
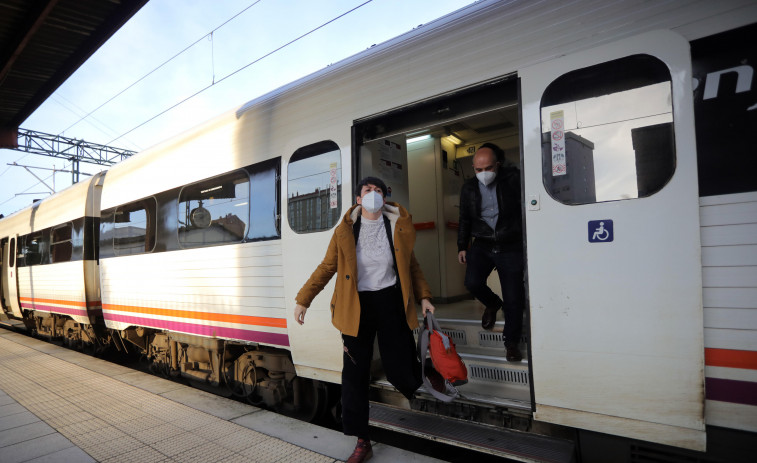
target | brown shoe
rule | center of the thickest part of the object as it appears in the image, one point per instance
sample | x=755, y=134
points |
x=363, y=452
x=489, y=318
x=513, y=353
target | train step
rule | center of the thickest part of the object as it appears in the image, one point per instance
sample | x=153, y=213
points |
x=516, y=445
x=11, y=323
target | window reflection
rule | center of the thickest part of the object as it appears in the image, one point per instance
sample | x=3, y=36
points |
x=35, y=250
x=263, y=204
x=134, y=228
x=615, y=141
x=314, y=187
x=61, y=247
x=215, y=211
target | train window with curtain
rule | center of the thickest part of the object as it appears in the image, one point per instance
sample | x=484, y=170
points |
x=264, y=201
x=314, y=187
x=215, y=211
x=607, y=131
x=134, y=227
x=61, y=247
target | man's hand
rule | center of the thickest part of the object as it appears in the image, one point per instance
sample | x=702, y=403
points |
x=461, y=256
x=427, y=306
x=299, y=313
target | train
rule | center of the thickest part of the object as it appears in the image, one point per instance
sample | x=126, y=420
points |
x=629, y=121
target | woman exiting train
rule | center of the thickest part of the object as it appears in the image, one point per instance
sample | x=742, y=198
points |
x=378, y=277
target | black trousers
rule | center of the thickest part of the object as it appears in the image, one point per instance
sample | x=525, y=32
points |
x=382, y=314
x=509, y=264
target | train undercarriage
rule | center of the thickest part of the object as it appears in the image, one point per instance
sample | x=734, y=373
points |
x=263, y=376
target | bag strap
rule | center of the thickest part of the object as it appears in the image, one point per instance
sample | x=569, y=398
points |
x=450, y=392
x=431, y=320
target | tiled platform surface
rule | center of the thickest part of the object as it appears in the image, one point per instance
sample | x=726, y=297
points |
x=58, y=405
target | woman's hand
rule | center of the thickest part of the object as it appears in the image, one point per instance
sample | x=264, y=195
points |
x=299, y=313
x=427, y=306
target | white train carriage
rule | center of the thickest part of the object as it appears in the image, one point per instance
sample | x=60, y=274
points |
x=49, y=270
x=639, y=240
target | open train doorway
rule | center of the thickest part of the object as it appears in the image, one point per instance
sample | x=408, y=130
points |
x=424, y=153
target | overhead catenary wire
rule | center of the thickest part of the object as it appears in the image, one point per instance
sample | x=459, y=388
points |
x=215, y=82
x=160, y=66
x=87, y=115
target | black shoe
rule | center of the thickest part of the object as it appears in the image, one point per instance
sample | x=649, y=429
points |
x=489, y=318
x=513, y=353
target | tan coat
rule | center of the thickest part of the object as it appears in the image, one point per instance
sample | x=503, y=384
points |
x=341, y=259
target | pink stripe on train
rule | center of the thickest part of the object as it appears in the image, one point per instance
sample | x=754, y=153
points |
x=203, y=330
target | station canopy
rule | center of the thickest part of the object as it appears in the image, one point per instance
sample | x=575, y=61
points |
x=42, y=42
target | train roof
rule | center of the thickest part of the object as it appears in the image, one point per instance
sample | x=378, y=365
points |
x=554, y=34
x=64, y=206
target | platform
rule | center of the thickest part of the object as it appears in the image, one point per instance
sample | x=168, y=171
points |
x=57, y=404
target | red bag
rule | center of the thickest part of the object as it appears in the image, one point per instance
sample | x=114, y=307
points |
x=445, y=368
x=445, y=358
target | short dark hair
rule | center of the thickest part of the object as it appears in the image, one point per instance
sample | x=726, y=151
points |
x=375, y=181
x=499, y=153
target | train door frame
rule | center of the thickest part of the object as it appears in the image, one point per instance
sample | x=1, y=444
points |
x=10, y=275
x=3, y=253
x=437, y=117
x=617, y=347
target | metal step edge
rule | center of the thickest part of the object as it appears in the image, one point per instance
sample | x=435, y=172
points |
x=495, y=359
x=12, y=323
x=516, y=445
x=493, y=354
x=467, y=397
x=461, y=321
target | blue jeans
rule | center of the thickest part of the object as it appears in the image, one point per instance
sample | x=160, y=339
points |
x=481, y=260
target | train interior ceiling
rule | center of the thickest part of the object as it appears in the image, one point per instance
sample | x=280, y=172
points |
x=441, y=136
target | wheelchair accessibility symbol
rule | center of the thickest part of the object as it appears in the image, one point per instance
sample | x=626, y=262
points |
x=600, y=231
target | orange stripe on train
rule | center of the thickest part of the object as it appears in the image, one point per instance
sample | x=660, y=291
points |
x=216, y=317
x=60, y=302
x=730, y=358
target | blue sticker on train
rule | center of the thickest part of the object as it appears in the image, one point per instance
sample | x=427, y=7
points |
x=600, y=231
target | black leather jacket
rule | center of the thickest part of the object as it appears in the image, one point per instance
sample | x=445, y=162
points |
x=508, y=235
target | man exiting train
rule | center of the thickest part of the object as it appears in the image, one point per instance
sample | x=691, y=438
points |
x=490, y=213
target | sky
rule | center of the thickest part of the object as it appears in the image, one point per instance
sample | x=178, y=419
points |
x=221, y=54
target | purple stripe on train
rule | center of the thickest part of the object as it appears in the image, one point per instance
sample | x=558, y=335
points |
x=56, y=309
x=203, y=330
x=731, y=390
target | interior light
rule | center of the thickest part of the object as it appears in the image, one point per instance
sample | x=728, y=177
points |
x=421, y=138
x=454, y=140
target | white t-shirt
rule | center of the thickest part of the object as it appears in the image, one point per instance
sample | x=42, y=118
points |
x=375, y=263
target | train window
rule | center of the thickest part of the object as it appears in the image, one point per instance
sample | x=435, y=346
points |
x=12, y=253
x=264, y=204
x=607, y=131
x=314, y=187
x=215, y=211
x=35, y=249
x=61, y=247
x=134, y=227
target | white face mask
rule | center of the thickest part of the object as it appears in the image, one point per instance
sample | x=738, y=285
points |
x=486, y=177
x=372, y=202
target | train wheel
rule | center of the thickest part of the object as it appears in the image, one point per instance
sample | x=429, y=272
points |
x=309, y=401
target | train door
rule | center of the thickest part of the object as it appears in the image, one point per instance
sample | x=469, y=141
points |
x=9, y=280
x=613, y=239
x=423, y=152
x=3, y=284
